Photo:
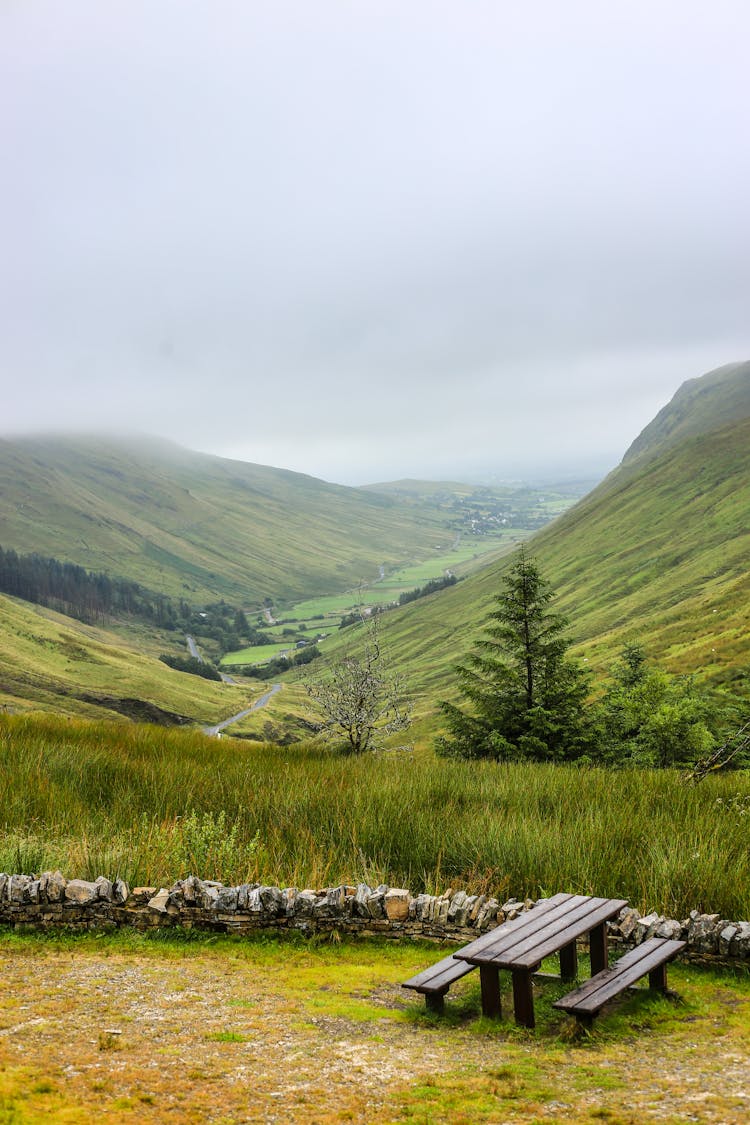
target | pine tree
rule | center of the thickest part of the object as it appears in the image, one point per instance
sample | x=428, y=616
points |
x=526, y=697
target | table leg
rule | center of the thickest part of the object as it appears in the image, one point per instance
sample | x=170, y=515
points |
x=489, y=976
x=523, y=998
x=598, y=948
x=657, y=978
x=569, y=961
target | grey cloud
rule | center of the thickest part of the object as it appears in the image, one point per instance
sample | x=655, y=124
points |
x=365, y=239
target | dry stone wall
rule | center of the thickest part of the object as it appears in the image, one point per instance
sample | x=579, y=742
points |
x=50, y=900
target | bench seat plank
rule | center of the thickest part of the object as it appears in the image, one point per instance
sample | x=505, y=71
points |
x=440, y=976
x=593, y=994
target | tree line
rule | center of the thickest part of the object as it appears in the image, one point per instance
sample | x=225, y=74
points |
x=79, y=593
x=95, y=597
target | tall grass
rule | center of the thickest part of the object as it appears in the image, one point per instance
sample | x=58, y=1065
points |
x=154, y=805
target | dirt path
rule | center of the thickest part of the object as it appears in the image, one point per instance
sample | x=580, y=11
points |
x=196, y=1037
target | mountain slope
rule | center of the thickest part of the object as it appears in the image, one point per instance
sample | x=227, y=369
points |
x=657, y=553
x=198, y=526
x=700, y=406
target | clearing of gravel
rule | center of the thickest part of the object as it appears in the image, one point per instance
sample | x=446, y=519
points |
x=223, y=1033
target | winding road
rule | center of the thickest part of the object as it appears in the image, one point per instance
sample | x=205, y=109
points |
x=214, y=731
x=195, y=652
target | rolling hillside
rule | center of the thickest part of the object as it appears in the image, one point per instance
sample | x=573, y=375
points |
x=201, y=527
x=51, y=663
x=657, y=553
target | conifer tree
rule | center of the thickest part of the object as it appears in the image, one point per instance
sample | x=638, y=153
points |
x=525, y=696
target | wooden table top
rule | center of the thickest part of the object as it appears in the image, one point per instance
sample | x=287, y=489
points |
x=553, y=923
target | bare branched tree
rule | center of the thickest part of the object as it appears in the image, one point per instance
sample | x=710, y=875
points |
x=737, y=744
x=361, y=700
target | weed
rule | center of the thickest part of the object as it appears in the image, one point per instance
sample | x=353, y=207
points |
x=226, y=1037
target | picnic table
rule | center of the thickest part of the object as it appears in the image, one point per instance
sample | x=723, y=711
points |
x=554, y=925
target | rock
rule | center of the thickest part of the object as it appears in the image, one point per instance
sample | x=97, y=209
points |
x=647, y=926
x=627, y=922
x=740, y=946
x=120, y=891
x=187, y=889
x=206, y=893
x=727, y=931
x=106, y=889
x=429, y=908
x=419, y=907
x=488, y=914
x=458, y=910
x=361, y=895
x=290, y=897
x=669, y=928
x=305, y=904
x=272, y=901
x=81, y=892
x=397, y=904
x=159, y=901
x=477, y=905
x=52, y=886
x=702, y=933
x=141, y=895
x=226, y=900
x=511, y=909
x=3, y=885
x=376, y=904
x=18, y=888
x=442, y=906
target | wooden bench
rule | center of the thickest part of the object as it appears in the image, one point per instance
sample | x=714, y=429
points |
x=434, y=982
x=650, y=957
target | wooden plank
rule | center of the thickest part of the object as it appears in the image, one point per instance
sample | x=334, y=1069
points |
x=593, y=994
x=555, y=922
x=439, y=976
x=549, y=939
x=529, y=920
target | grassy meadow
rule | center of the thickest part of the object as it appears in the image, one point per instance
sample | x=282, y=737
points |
x=154, y=805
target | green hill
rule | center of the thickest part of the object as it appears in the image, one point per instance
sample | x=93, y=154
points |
x=192, y=525
x=657, y=553
x=51, y=663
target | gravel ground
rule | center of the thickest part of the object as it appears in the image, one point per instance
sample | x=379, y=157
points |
x=204, y=1039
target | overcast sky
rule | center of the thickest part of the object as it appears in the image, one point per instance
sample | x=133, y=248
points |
x=368, y=240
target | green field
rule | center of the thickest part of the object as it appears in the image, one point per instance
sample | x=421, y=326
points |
x=305, y=617
x=93, y=798
x=256, y=654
